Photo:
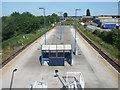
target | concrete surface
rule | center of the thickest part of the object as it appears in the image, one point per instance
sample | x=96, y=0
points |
x=91, y=27
x=88, y=61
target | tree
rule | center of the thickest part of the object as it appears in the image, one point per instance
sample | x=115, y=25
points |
x=24, y=23
x=97, y=32
x=15, y=14
x=54, y=18
x=65, y=14
x=27, y=14
x=103, y=35
x=88, y=12
x=112, y=37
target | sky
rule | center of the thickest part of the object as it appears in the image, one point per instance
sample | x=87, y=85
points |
x=96, y=8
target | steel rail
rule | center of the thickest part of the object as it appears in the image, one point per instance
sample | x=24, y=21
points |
x=4, y=62
x=113, y=61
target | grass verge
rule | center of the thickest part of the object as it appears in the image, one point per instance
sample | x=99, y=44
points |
x=15, y=43
x=69, y=22
x=112, y=50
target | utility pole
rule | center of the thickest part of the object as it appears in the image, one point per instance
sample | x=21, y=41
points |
x=75, y=51
x=60, y=13
x=44, y=23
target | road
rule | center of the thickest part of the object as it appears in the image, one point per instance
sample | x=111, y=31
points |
x=91, y=27
x=96, y=73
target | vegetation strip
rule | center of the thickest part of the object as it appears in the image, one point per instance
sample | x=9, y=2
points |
x=114, y=62
x=20, y=50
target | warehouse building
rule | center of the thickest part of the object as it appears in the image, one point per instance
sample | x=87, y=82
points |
x=107, y=22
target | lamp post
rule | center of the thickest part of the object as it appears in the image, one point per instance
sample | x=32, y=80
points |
x=75, y=51
x=12, y=78
x=44, y=24
x=56, y=71
x=60, y=25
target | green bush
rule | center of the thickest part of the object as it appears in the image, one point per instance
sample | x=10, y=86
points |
x=109, y=40
x=103, y=35
x=68, y=22
x=112, y=37
x=24, y=23
x=97, y=32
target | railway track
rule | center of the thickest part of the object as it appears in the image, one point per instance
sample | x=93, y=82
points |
x=19, y=51
x=114, y=62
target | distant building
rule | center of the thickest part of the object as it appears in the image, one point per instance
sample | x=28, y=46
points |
x=103, y=21
x=108, y=16
x=104, y=17
x=69, y=18
x=87, y=19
